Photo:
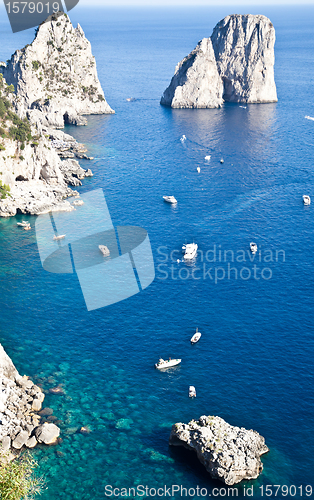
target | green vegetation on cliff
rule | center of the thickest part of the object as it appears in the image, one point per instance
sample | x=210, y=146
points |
x=11, y=126
x=17, y=478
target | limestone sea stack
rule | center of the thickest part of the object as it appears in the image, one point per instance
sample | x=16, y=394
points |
x=55, y=77
x=235, y=65
x=196, y=82
x=230, y=454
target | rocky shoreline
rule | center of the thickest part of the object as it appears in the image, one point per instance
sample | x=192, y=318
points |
x=230, y=454
x=20, y=406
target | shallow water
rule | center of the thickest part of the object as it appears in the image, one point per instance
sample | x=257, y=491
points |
x=253, y=365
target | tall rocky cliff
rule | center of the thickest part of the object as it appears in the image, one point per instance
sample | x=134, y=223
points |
x=236, y=64
x=52, y=81
x=55, y=77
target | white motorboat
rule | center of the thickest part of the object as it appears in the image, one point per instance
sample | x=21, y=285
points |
x=78, y=203
x=306, y=199
x=183, y=139
x=170, y=199
x=190, y=251
x=197, y=335
x=61, y=237
x=198, y=169
x=104, y=250
x=168, y=363
x=207, y=158
x=192, y=391
x=222, y=160
x=253, y=247
x=24, y=223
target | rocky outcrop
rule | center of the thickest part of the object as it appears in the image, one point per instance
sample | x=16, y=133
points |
x=196, y=82
x=228, y=453
x=47, y=433
x=235, y=65
x=244, y=50
x=20, y=399
x=55, y=81
x=55, y=77
x=38, y=179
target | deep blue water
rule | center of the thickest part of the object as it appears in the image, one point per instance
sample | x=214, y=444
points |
x=254, y=363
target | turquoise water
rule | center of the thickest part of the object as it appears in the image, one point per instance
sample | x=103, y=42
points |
x=253, y=365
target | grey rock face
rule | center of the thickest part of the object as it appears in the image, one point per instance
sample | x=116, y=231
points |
x=47, y=433
x=228, y=453
x=20, y=440
x=31, y=442
x=196, y=82
x=236, y=64
x=55, y=77
x=19, y=399
x=244, y=50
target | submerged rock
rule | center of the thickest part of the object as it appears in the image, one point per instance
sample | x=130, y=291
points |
x=236, y=64
x=228, y=453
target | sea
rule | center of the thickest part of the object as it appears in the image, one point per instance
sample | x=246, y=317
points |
x=253, y=366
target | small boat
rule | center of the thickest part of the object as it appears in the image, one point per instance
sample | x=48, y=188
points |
x=207, y=158
x=27, y=228
x=170, y=199
x=197, y=335
x=183, y=139
x=168, y=363
x=198, y=169
x=192, y=391
x=78, y=203
x=104, y=250
x=190, y=251
x=222, y=160
x=253, y=247
x=57, y=238
x=131, y=99
x=24, y=223
x=306, y=199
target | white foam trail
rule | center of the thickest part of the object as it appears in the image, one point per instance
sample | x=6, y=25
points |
x=309, y=118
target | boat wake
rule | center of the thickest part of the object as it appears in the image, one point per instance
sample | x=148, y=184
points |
x=309, y=118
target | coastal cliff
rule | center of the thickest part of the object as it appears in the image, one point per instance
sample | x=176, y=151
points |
x=20, y=402
x=55, y=77
x=49, y=83
x=196, y=82
x=236, y=64
x=228, y=453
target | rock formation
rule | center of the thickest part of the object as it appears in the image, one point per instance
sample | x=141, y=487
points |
x=52, y=81
x=196, y=82
x=55, y=77
x=236, y=65
x=20, y=400
x=228, y=453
